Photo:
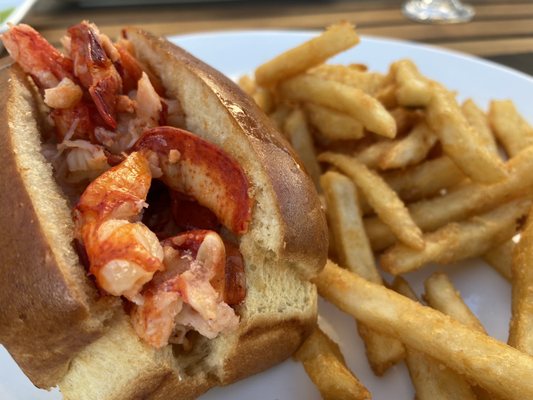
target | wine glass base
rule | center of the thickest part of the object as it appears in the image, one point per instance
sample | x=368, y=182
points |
x=444, y=12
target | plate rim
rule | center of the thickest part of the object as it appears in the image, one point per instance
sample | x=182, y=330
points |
x=206, y=35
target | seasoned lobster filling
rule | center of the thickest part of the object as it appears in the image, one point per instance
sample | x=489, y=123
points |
x=114, y=133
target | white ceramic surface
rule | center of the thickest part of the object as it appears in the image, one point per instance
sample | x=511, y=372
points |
x=20, y=9
x=237, y=53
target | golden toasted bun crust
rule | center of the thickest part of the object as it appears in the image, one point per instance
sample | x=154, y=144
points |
x=303, y=240
x=45, y=319
x=248, y=358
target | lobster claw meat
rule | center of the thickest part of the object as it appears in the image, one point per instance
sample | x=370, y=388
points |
x=202, y=171
x=95, y=70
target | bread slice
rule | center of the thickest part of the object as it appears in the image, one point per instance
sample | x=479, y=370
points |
x=105, y=359
x=49, y=309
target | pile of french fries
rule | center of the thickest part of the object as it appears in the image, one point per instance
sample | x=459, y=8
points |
x=409, y=177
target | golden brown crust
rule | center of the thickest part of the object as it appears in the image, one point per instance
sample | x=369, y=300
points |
x=43, y=321
x=281, y=340
x=248, y=358
x=304, y=231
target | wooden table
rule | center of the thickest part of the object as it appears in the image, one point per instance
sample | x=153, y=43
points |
x=501, y=30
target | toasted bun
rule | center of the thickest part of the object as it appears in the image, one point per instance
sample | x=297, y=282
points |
x=48, y=308
x=60, y=322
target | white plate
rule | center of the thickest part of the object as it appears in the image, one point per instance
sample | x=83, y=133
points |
x=488, y=295
x=13, y=11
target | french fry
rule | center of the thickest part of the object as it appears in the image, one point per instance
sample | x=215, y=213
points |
x=353, y=250
x=462, y=202
x=325, y=365
x=368, y=82
x=442, y=295
x=413, y=90
x=358, y=67
x=478, y=120
x=458, y=241
x=371, y=155
x=340, y=97
x=501, y=258
x=466, y=199
x=459, y=141
x=425, y=180
x=263, y=98
x=298, y=133
x=405, y=119
x=382, y=351
x=511, y=129
x=431, y=379
x=421, y=181
x=336, y=38
x=499, y=368
x=332, y=125
x=344, y=220
x=387, y=96
x=521, y=329
x=247, y=84
x=280, y=114
x=410, y=150
x=380, y=197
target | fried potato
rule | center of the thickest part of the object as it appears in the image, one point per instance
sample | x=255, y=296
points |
x=403, y=139
x=400, y=153
x=332, y=125
x=431, y=379
x=479, y=121
x=413, y=90
x=511, y=129
x=462, y=202
x=353, y=251
x=459, y=141
x=247, y=84
x=333, y=40
x=263, y=98
x=296, y=130
x=499, y=368
x=410, y=150
x=371, y=155
x=458, y=241
x=344, y=220
x=442, y=295
x=501, y=258
x=425, y=180
x=280, y=114
x=382, y=351
x=381, y=198
x=325, y=365
x=346, y=99
x=521, y=329
x=368, y=82
x=386, y=95
x=405, y=119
